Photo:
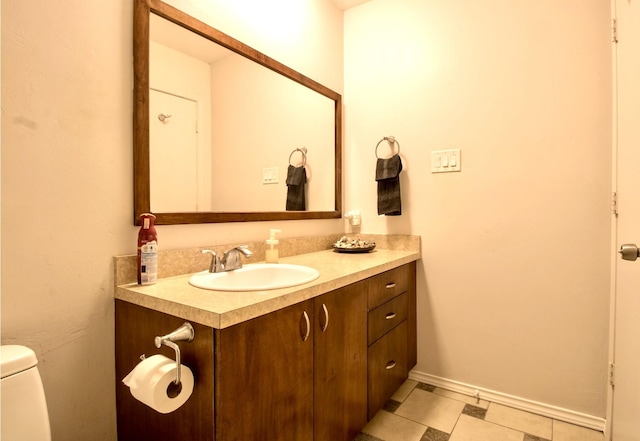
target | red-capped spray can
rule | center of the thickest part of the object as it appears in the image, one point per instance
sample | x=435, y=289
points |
x=147, y=251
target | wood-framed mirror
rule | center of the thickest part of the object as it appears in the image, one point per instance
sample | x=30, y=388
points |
x=236, y=151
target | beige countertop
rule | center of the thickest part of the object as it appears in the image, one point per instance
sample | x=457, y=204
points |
x=221, y=309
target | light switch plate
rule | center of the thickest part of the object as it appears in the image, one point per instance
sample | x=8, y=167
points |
x=270, y=175
x=444, y=161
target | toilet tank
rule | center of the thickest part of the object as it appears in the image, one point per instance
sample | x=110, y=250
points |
x=22, y=400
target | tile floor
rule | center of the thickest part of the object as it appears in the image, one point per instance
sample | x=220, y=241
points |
x=421, y=412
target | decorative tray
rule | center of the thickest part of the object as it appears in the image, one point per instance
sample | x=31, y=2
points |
x=346, y=245
x=354, y=250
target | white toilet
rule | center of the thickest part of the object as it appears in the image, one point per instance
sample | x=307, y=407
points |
x=23, y=405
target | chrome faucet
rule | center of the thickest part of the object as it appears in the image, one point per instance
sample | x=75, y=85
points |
x=230, y=261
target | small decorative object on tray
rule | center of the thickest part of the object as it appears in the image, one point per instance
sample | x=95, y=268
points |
x=353, y=245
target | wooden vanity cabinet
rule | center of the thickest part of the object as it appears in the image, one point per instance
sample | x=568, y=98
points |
x=313, y=371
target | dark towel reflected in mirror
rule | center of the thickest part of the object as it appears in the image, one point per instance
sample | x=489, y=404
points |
x=296, y=186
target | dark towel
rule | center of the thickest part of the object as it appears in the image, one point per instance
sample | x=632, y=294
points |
x=296, y=180
x=388, y=177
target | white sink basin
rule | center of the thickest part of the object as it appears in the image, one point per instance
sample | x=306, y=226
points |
x=255, y=277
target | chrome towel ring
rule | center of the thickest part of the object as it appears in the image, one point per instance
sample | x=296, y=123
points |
x=392, y=143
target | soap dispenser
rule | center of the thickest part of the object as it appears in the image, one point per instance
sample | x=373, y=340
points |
x=272, y=247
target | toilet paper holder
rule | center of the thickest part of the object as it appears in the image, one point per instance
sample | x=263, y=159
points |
x=183, y=333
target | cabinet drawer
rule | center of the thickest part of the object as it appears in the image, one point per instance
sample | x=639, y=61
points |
x=386, y=317
x=387, y=285
x=387, y=367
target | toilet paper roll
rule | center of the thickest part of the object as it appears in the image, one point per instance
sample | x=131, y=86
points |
x=151, y=378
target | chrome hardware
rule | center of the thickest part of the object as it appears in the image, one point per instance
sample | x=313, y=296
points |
x=163, y=116
x=230, y=261
x=390, y=315
x=215, y=266
x=392, y=143
x=324, y=325
x=629, y=251
x=306, y=333
x=183, y=333
x=390, y=285
x=391, y=365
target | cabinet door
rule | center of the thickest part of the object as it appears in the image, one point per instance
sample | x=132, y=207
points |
x=264, y=377
x=340, y=364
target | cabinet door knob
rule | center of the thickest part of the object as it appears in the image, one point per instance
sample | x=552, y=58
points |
x=390, y=285
x=325, y=323
x=391, y=364
x=390, y=315
x=304, y=332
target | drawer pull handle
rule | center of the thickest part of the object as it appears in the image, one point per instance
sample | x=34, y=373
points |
x=390, y=315
x=324, y=325
x=391, y=285
x=305, y=334
x=391, y=364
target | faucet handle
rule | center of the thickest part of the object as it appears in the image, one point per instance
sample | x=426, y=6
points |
x=232, y=260
x=215, y=266
x=244, y=249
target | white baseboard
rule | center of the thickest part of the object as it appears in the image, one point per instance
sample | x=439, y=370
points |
x=547, y=410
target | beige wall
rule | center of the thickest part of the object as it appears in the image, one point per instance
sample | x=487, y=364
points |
x=67, y=181
x=513, y=287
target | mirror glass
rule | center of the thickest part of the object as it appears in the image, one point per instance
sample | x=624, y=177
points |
x=220, y=130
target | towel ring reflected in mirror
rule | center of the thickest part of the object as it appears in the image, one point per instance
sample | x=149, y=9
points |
x=303, y=151
x=392, y=143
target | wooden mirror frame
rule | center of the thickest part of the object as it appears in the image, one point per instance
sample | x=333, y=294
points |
x=141, y=172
